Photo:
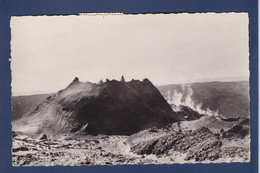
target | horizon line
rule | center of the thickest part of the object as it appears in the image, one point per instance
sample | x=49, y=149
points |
x=17, y=94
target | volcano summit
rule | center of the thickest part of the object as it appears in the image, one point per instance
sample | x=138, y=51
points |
x=111, y=107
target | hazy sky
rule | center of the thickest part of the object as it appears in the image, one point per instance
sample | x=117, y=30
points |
x=49, y=51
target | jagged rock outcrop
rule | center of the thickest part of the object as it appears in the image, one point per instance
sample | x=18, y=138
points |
x=76, y=79
x=122, y=79
x=188, y=114
x=113, y=107
x=100, y=82
x=238, y=130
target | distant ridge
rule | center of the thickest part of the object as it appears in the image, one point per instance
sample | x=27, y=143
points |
x=24, y=104
x=230, y=99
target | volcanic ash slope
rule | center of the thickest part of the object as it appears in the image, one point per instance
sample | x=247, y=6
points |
x=111, y=108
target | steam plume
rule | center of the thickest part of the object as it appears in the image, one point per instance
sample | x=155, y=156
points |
x=176, y=99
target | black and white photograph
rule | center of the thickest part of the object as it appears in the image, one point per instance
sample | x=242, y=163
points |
x=124, y=89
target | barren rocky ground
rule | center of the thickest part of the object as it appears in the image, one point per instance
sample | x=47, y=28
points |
x=198, y=141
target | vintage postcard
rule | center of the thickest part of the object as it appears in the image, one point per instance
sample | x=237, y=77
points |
x=117, y=89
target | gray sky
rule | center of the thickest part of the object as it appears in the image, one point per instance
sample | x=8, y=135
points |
x=49, y=51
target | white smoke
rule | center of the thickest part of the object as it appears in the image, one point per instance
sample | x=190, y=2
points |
x=176, y=99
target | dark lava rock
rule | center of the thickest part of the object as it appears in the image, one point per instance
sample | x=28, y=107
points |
x=237, y=131
x=188, y=114
x=230, y=119
x=199, y=145
x=86, y=162
x=112, y=108
x=15, y=133
x=244, y=121
x=75, y=129
x=147, y=149
x=20, y=149
x=153, y=129
x=100, y=82
x=43, y=137
x=122, y=79
x=76, y=79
